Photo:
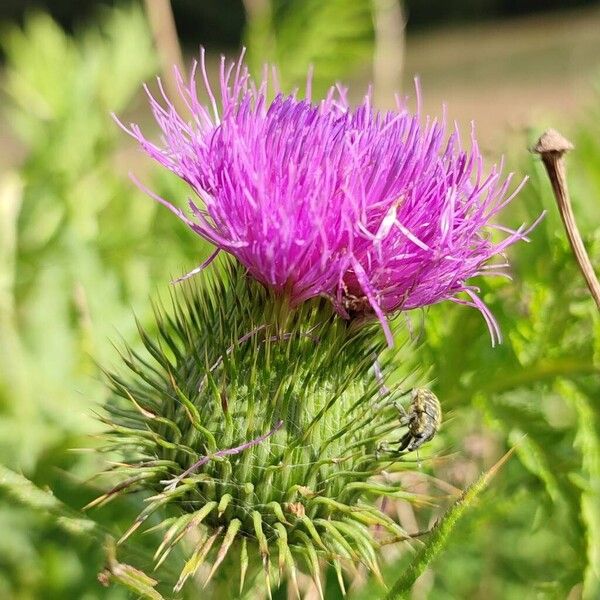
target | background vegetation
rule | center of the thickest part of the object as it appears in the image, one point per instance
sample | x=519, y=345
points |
x=222, y=22
x=80, y=249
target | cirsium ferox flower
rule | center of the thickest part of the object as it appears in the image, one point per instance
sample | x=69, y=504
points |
x=378, y=211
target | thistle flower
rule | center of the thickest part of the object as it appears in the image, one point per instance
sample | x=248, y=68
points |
x=378, y=211
x=259, y=451
x=428, y=222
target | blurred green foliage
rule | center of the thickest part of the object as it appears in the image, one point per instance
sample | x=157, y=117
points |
x=295, y=33
x=80, y=247
x=69, y=277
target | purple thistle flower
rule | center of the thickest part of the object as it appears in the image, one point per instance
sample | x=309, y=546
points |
x=377, y=211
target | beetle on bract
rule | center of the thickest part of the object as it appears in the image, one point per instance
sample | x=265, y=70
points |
x=424, y=418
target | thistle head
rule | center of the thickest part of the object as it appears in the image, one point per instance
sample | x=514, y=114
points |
x=380, y=212
x=255, y=434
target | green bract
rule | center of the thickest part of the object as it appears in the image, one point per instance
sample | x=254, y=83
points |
x=293, y=395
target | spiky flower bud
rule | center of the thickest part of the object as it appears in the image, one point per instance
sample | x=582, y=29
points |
x=255, y=432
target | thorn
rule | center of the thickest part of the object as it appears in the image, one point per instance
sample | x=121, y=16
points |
x=135, y=526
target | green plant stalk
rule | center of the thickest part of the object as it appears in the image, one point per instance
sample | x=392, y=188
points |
x=542, y=371
x=441, y=532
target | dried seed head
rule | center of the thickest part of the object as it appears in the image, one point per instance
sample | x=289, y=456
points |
x=552, y=141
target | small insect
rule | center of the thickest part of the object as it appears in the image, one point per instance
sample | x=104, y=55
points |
x=423, y=419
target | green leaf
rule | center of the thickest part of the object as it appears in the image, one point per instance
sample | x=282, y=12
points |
x=588, y=442
x=22, y=490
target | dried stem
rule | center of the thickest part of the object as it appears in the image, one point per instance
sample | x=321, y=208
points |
x=552, y=147
x=162, y=23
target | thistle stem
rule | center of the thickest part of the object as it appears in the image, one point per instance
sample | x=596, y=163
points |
x=441, y=532
x=551, y=147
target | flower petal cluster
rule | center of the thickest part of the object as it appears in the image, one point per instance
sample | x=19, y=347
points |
x=379, y=211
